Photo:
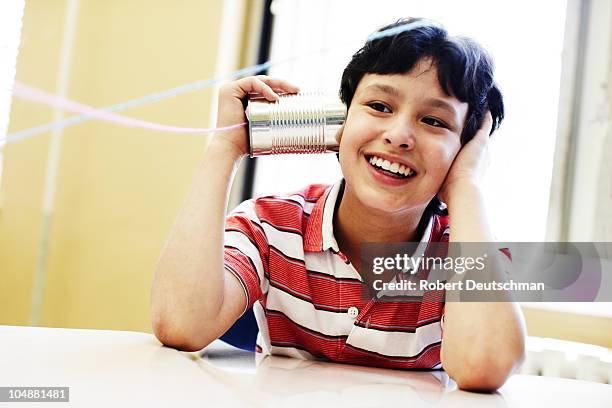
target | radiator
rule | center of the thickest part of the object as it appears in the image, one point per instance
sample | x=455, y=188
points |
x=567, y=359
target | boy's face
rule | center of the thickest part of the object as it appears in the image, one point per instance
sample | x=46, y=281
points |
x=406, y=119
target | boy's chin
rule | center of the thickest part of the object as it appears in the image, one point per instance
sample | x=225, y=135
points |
x=385, y=203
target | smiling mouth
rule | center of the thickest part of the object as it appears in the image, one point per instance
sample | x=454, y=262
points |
x=390, y=169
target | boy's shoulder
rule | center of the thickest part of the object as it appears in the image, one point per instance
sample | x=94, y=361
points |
x=307, y=195
x=274, y=205
x=290, y=212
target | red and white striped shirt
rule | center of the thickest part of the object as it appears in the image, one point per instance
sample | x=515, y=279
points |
x=308, y=298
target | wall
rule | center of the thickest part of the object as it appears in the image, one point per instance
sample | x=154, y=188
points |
x=590, y=329
x=118, y=189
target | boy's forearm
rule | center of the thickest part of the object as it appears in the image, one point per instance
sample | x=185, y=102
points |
x=189, y=281
x=467, y=215
x=483, y=342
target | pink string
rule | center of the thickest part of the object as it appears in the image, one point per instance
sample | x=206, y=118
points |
x=29, y=93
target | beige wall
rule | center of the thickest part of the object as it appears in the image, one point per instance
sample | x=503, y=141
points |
x=118, y=189
x=569, y=326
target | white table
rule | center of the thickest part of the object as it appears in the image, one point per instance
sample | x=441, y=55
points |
x=117, y=368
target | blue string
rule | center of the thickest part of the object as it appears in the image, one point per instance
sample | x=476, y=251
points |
x=23, y=134
x=400, y=29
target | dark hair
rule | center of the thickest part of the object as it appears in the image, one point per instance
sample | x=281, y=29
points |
x=465, y=70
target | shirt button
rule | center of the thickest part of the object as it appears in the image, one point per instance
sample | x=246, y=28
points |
x=353, y=312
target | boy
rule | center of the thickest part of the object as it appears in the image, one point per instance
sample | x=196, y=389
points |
x=421, y=106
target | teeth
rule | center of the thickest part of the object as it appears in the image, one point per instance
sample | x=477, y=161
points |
x=392, y=167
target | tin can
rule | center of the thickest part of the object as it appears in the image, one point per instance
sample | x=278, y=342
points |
x=297, y=123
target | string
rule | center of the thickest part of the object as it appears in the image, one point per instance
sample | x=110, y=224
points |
x=254, y=69
x=75, y=120
x=402, y=28
x=35, y=95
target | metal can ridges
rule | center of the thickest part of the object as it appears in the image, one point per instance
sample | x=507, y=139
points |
x=295, y=124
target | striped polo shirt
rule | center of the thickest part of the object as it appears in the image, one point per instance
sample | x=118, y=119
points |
x=307, y=297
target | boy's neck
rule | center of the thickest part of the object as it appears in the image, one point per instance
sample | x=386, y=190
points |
x=355, y=224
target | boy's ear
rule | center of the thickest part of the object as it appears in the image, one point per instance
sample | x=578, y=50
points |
x=339, y=133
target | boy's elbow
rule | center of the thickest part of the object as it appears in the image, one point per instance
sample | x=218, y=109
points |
x=486, y=375
x=172, y=336
x=480, y=380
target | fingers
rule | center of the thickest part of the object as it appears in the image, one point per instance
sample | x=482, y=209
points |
x=482, y=135
x=267, y=87
x=487, y=124
x=255, y=85
x=279, y=85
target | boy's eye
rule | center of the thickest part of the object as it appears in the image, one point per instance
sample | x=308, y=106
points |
x=377, y=106
x=434, y=122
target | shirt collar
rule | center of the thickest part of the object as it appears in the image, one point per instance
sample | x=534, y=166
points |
x=319, y=233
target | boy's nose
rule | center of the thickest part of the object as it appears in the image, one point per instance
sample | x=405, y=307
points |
x=401, y=136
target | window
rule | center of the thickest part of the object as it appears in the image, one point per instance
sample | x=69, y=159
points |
x=526, y=46
x=11, y=13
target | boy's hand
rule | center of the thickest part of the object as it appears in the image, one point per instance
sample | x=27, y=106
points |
x=232, y=102
x=470, y=164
